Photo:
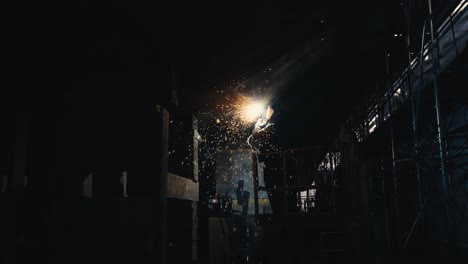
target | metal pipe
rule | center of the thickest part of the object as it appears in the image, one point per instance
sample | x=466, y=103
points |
x=411, y=230
x=415, y=126
x=385, y=203
x=438, y=115
x=333, y=176
x=421, y=59
x=409, y=71
x=408, y=48
x=397, y=218
x=285, y=185
x=395, y=187
x=418, y=216
x=453, y=35
x=255, y=180
x=414, y=116
x=160, y=201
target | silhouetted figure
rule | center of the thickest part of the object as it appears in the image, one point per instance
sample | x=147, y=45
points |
x=242, y=198
x=265, y=141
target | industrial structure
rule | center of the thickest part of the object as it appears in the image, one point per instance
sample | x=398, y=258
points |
x=151, y=153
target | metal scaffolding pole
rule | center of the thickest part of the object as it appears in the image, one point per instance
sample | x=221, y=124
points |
x=285, y=191
x=255, y=180
x=453, y=35
x=414, y=114
x=438, y=115
x=395, y=186
x=421, y=80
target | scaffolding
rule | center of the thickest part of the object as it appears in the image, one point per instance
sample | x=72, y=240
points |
x=437, y=53
x=303, y=184
x=449, y=38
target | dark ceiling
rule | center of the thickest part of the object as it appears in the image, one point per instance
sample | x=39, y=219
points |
x=214, y=45
x=89, y=52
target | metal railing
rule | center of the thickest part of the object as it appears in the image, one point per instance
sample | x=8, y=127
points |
x=297, y=181
x=448, y=45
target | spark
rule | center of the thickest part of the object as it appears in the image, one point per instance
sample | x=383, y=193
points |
x=236, y=116
x=247, y=109
x=252, y=111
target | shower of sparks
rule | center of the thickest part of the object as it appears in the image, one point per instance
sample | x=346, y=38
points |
x=231, y=126
x=228, y=127
x=246, y=109
x=252, y=111
x=262, y=123
x=236, y=119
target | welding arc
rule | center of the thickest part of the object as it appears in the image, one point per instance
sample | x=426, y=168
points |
x=262, y=123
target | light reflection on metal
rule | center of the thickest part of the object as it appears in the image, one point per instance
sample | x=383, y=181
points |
x=262, y=123
x=456, y=21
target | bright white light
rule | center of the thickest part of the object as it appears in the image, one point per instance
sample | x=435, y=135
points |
x=373, y=124
x=398, y=92
x=253, y=111
x=463, y=5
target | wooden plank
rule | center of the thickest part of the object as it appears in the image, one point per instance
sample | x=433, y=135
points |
x=182, y=188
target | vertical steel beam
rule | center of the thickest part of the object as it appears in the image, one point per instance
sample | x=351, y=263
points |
x=255, y=181
x=160, y=210
x=394, y=174
x=453, y=35
x=438, y=114
x=414, y=115
x=285, y=191
x=415, y=111
x=333, y=175
x=395, y=187
x=194, y=231
x=196, y=138
x=421, y=80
